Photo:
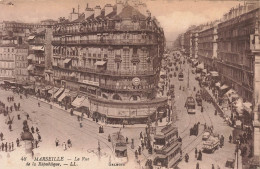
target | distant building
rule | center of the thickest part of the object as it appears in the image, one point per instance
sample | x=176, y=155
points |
x=7, y=61
x=21, y=63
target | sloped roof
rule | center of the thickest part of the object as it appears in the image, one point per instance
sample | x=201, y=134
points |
x=129, y=12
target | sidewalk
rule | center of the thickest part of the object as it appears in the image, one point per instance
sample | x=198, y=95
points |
x=160, y=124
x=224, y=114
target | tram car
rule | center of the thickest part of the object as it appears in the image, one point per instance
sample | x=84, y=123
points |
x=194, y=130
x=211, y=144
x=167, y=148
x=198, y=99
x=119, y=147
x=190, y=105
x=180, y=76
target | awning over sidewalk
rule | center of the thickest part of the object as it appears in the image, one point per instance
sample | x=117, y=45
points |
x=239, y=106
x=214, y=73
x=31, y=56
x=223, y=87
x=217, y=84
x=204, y=70
x=247, y=106
x=28, y=87
x=58, y=92
x=30, y=67
x=38, y=48
x=78, y=101
x=200, y=66
x=64, y=94
x=31, y=37
x=100, y=63
x=53, y=90
x=85, y=103
x=67, y=60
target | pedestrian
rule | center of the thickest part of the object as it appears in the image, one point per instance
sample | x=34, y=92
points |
x=212, y=166
x=27, y=116
x=37, y=130
x=196, y=152
x=39, y=105
x=32, y=129
x=39, y=137
x=10, y=127
x=109, y=138
x=69, y=143
x=36, y=143
x=141, y=135
x=80, y=125
x=3, y=146
x=17, y=142
x=200, y=156
x=126, y=139
x=12, y=146
x=139, y=150
x=64, y=146
x=1, y=136
x=18, y=116
x=57, y=142
x=216, y=112
x=197, y=166
x=136, y=154
x=186, y=158
x=6, y=147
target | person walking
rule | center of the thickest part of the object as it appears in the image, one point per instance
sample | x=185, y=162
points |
x=17, y=142
x=37, y=130
x=196, y=152
x=57, y=142
x=212, y=166
x=64, y=146
x=69, y=143
x=197, y=166
x=12, y=146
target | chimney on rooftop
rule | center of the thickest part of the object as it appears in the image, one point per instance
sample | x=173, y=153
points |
x=97, y=11
x=108, y=9
x=119, y=7
x=88, y=12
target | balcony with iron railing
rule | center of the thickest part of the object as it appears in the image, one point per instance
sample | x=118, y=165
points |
x=123, y=28
x=105, y=72
x=107, y=42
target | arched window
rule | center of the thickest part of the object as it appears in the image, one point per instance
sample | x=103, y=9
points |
x=117, y=97
x=135, y=98
x=104, y=96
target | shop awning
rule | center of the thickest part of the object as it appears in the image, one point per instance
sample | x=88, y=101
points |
x=85, y=103
x=239, y=106
x=247, y=106
x=204, y=70
x=38, y=48
x=64, y=94
x=217, y=84
x=78, y=101
x=31, y=37
x=200, y=66
x=58, y=92
x=53, y=90
x=31, y=56
x=231, y=91
x=73, y=94
x=100, y=63
x=30, y=67
x=223, y=87
x=67, y=60
x=214, y=73
x=28, y=87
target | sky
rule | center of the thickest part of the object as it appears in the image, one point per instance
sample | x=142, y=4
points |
x=175, y=16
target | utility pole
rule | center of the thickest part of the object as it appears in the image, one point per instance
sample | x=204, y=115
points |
x=188, y=85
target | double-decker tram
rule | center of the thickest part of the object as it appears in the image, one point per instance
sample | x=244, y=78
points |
x=119, y=146
x=167, y=148
x=190, y=105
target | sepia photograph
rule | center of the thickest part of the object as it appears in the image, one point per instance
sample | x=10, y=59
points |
x=129, y=84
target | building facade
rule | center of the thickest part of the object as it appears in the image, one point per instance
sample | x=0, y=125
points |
x=7, y=61
x=113, y=56
x=21, y=63
x=207, y=46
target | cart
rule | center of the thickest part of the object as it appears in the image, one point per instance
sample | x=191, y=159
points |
x=211, y=144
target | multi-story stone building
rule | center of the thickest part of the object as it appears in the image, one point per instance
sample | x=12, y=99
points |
x=7, y=61
x=21, y=64
x=207, y=46
x=112, y=55
x=235, y=61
